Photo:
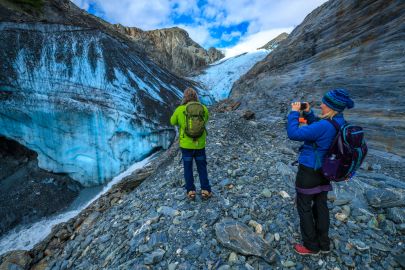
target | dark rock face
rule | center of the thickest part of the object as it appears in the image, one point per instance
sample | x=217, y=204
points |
x=272, y=44
x=215, y=54
x=27, y=192
x=18, y=259
x=396, y=214
x=353, y=44
x=172, y=48
x=401, y=260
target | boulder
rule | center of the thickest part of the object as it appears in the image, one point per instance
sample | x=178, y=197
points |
x=396, y=214
x=17, y=259
x=240, y=238
x=383, y=198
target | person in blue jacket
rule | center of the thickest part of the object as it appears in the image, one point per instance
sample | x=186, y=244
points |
x=311, y=186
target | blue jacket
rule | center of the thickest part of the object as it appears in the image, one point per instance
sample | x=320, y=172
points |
x=317, y=131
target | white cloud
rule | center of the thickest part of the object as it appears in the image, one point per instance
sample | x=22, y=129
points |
x=210, y=12
x=230, y=36
x=261, y=15
x=199, y=34
x=188, y=7
x=254, y=41
x=83, y=4
x=144, y=14
x=266, y=13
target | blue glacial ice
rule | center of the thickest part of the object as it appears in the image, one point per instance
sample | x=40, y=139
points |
x=87, y=103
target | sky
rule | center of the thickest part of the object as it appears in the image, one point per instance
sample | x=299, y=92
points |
x=234, y=26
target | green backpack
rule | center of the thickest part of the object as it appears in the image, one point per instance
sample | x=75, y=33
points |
x=195, y=124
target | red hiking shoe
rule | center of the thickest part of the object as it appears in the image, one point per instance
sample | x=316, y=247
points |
x=300, y=249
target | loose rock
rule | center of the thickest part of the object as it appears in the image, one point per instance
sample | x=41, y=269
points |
x=237, y=236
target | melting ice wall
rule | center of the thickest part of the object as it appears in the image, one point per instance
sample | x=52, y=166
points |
x=84, y=101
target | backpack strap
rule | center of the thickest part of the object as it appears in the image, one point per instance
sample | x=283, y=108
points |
x=334, y=123
x=315, y=146
x=336, y=126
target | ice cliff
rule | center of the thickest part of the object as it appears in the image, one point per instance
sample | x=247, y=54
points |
x=86, y=102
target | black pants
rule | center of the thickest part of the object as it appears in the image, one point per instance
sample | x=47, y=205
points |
x=314, y=220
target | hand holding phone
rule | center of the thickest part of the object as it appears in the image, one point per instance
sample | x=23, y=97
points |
x=304, y=106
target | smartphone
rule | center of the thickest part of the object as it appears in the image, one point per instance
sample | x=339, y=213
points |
x=304, y=106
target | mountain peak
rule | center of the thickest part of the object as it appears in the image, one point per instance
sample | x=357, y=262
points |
x=172, y=48
x=272, y=44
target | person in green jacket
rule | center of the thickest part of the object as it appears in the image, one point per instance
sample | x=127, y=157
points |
x=193, y=145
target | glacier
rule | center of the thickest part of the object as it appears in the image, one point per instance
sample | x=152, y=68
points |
x=87, y=103
x=218, y=78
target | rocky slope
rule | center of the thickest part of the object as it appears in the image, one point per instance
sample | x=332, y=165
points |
x=272, y=44
x=27, y=189
x=80, y=94
x=172, y=48
x=358, y=45
x=250, y=223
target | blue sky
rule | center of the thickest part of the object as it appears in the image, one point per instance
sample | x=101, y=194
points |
x=232, y=25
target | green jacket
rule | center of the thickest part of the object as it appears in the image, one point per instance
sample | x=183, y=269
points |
x=178, y=118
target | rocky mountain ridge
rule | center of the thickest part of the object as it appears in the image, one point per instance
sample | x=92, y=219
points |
x=172, y=48
x=56, y=12
x=272, y=44
x=345, y=43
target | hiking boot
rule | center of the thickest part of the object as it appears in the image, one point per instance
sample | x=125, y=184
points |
x=191, y=195
x=205, y=194
x=300, y=249
x=325, y=251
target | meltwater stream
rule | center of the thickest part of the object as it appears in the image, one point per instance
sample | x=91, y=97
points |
x=27, y=235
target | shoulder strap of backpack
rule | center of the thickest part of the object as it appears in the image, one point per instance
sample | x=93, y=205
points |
x=334, y=123
x=315, y=146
